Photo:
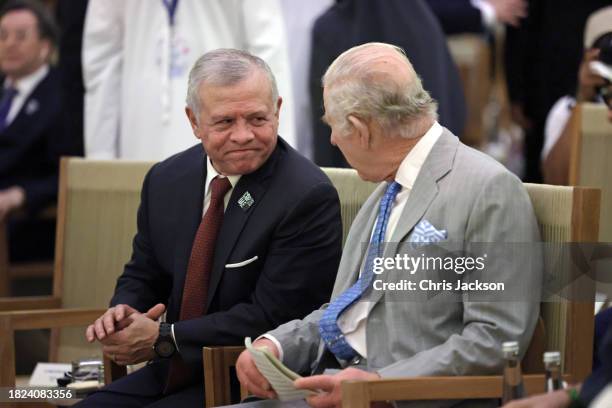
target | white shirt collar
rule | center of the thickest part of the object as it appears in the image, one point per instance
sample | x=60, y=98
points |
x=413, y=162
x=211, y=173
x=26, y=85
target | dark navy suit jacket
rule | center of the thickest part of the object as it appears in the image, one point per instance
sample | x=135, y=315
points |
x=457, y=16
x=31, y=144
x=293, y=228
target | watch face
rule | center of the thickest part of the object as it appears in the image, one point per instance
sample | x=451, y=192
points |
x=164, y=348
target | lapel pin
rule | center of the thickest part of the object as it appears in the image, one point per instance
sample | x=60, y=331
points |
x=246, y=201
x=31, y=107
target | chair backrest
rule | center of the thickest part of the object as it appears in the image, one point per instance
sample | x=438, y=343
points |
x=567, y=214
x=353, y=192
x=97, y=207
x=590, y=164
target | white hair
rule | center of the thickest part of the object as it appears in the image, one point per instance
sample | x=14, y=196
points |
x=225, y=67
x=355, y=87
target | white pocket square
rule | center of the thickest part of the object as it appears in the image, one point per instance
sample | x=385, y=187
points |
x=243, y=263
x=425, y=233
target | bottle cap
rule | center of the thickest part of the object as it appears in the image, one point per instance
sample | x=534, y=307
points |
x=552, y=357
x=510, y=347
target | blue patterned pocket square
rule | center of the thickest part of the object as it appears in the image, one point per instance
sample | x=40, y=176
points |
x=425, y=233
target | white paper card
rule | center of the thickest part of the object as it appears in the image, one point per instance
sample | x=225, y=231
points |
x=278, y=375
x=46, y=374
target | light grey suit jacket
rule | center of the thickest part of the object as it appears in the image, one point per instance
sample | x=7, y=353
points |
x=475, y=199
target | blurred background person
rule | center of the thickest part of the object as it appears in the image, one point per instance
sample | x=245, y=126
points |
x=542, y=57
x=30, y=126
x=474, y=16
x=136, y=58
x=70, y=16
x=299, y=17
x=594, y=85
x=408, y=24
x=31, y=142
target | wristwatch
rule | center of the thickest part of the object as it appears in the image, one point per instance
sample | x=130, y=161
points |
x=164, y=345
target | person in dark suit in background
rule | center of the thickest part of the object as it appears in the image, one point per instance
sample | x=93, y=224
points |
x=269, y=258
x=30, y=135
x=476, y=16
x=71, y=20
x=408, y=24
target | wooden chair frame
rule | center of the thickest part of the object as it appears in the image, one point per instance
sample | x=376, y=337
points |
x=12, y=321
x=217, y=362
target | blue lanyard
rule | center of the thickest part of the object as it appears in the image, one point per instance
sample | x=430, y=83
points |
x=171, y=8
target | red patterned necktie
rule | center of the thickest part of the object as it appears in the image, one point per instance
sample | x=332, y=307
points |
x=195, y=291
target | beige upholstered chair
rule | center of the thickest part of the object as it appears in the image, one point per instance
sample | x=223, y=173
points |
x=564, y=214
x=590, y=164
x=352, y=192
x=97, y=208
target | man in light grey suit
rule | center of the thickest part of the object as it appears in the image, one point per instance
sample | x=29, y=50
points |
x=433, y=188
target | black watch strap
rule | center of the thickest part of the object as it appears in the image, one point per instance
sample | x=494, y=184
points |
x=164, y=345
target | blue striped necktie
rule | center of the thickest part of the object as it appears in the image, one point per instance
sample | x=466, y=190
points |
x=328, y=325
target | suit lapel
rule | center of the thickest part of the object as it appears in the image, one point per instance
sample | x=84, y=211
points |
x=235, y=217
x=438, y=163
x=189, y=200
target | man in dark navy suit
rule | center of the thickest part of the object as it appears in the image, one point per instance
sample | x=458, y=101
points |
x=235, y=236
x=30, y=141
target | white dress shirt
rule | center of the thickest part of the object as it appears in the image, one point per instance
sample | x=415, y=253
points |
x=352, y=322
x=24, y=86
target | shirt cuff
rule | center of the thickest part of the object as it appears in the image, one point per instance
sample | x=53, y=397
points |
x=276, y=343
x=487, y=11
x=174, y=338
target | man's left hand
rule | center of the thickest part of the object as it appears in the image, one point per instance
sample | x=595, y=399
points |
x=331, y=386
x=11, y=199
x=133, y=344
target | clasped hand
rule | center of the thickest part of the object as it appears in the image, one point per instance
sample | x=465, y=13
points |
x=127, y=336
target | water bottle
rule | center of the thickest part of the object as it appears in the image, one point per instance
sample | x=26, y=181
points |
x=552, y=364
x=513, y=378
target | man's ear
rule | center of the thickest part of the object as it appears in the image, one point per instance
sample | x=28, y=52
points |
x=193, y=121
x=362, y=129
x=45, y=51
x=279, y=102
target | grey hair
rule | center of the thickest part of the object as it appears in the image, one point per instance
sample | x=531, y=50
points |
x=354, y=87
x=225, y=67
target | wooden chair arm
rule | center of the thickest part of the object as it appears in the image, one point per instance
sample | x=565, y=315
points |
x=217, y=363
x=29, y=303
x=30, y=320
x=112, y=370
x=359, y=394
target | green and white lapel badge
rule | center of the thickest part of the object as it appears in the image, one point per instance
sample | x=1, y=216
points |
x=246, y=201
